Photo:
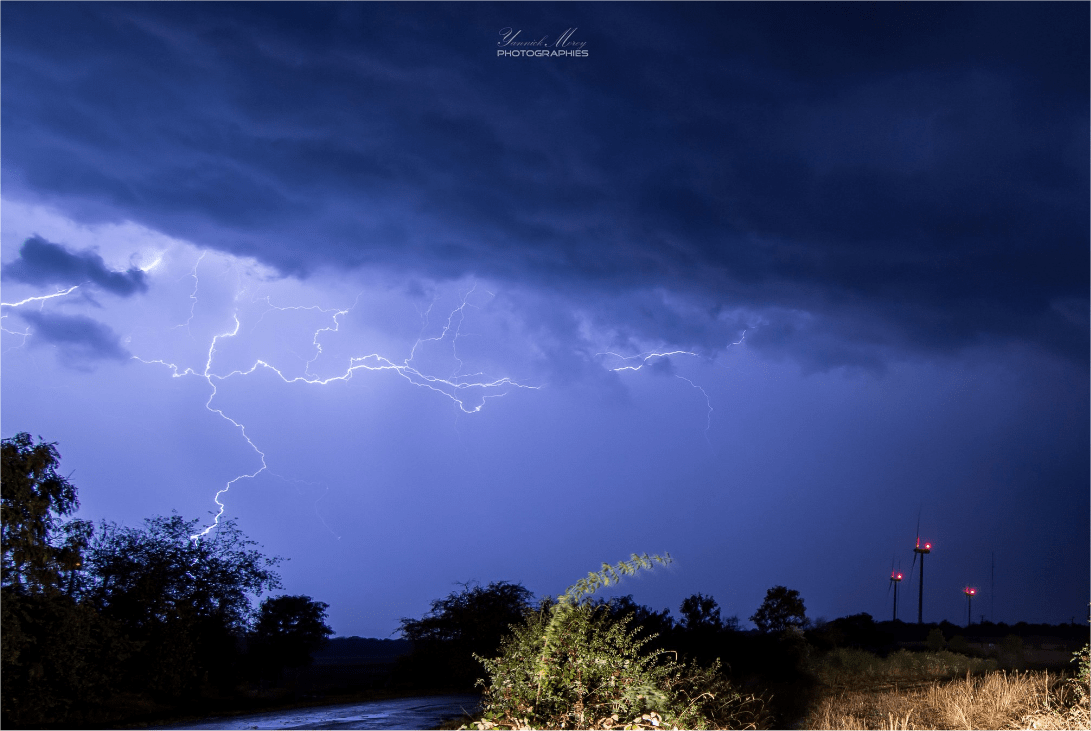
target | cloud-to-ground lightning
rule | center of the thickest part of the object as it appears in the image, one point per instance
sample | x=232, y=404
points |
x=467, y=391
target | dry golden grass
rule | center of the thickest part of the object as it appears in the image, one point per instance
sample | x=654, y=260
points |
x=993, y=701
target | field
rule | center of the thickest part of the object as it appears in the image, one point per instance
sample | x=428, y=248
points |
x=940, y=691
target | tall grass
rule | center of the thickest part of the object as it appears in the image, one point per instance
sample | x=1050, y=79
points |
x=996, y=700
x=853, y=667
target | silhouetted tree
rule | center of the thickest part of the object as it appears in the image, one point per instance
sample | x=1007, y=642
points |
x=186, y=601
x=58, y=656
x=287, y=631
x=39, y=551
x=782, y=608
x=656, y=626
x=465, y=623
x=701, y=613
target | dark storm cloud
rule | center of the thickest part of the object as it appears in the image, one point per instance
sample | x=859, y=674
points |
x=914, y=177
x=79, y=340
x=43, y=262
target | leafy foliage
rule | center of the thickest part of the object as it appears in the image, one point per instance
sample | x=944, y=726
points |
x=783, y=608
x=187, y=602
x=700, y=612
x=287, y=631
x=465, y=623
x=60, y=658
x=1081, y=683
x=38, y=550
x=57, y=655
x=574, y=664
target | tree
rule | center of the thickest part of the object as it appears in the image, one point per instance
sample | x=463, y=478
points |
x=287, y=631
x=58, y=656
x=782, y=608
x=187, y=601
x=38, y=550
x=465, y=623
x=701, y=613
x=657, y=627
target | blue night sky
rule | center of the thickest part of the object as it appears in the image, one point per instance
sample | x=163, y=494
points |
x=753, y=284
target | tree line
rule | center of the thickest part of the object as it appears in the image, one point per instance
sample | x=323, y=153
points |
x=106, y=622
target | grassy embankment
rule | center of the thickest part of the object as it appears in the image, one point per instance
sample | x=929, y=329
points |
x=940, y=690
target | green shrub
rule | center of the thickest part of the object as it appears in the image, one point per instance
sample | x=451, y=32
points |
x=1081, y=683
x=572, y=665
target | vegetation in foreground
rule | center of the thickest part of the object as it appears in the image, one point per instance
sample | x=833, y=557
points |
x=996, y=700
x=572, y=665
x=111, y=625
x=939, y=689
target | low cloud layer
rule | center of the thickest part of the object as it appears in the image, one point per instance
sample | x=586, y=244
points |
x=44, y=263
x=922, y=188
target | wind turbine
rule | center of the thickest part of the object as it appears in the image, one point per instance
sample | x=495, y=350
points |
x=969, y=591
x=922, y=551
x=895, y=579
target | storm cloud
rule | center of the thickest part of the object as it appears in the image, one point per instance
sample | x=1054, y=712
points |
x=79, y=340
x=922, y=189
x=43, y=262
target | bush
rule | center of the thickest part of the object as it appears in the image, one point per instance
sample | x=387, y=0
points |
x=573, y=665
x=1081, y=683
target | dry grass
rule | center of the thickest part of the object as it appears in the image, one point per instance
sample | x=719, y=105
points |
x=993, y=701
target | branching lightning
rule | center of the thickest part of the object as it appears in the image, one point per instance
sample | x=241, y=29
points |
x=467, y=391
x=40, y=299
x=643, y=359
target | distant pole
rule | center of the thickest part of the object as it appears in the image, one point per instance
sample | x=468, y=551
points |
x=923, y=551
x=992, y=588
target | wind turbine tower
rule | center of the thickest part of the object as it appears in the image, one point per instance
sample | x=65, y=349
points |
x=922, y=550
x=895, y=579
x=969, y=591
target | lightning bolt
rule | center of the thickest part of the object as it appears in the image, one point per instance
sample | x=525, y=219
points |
x=208, y=376
x=192, y=295
x=643, y=359
x=457, y=387
x=708, y=422
x=41, y=299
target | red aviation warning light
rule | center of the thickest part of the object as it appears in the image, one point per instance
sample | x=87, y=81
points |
x=926, y=548
x=969, y=591
x=896, y=576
